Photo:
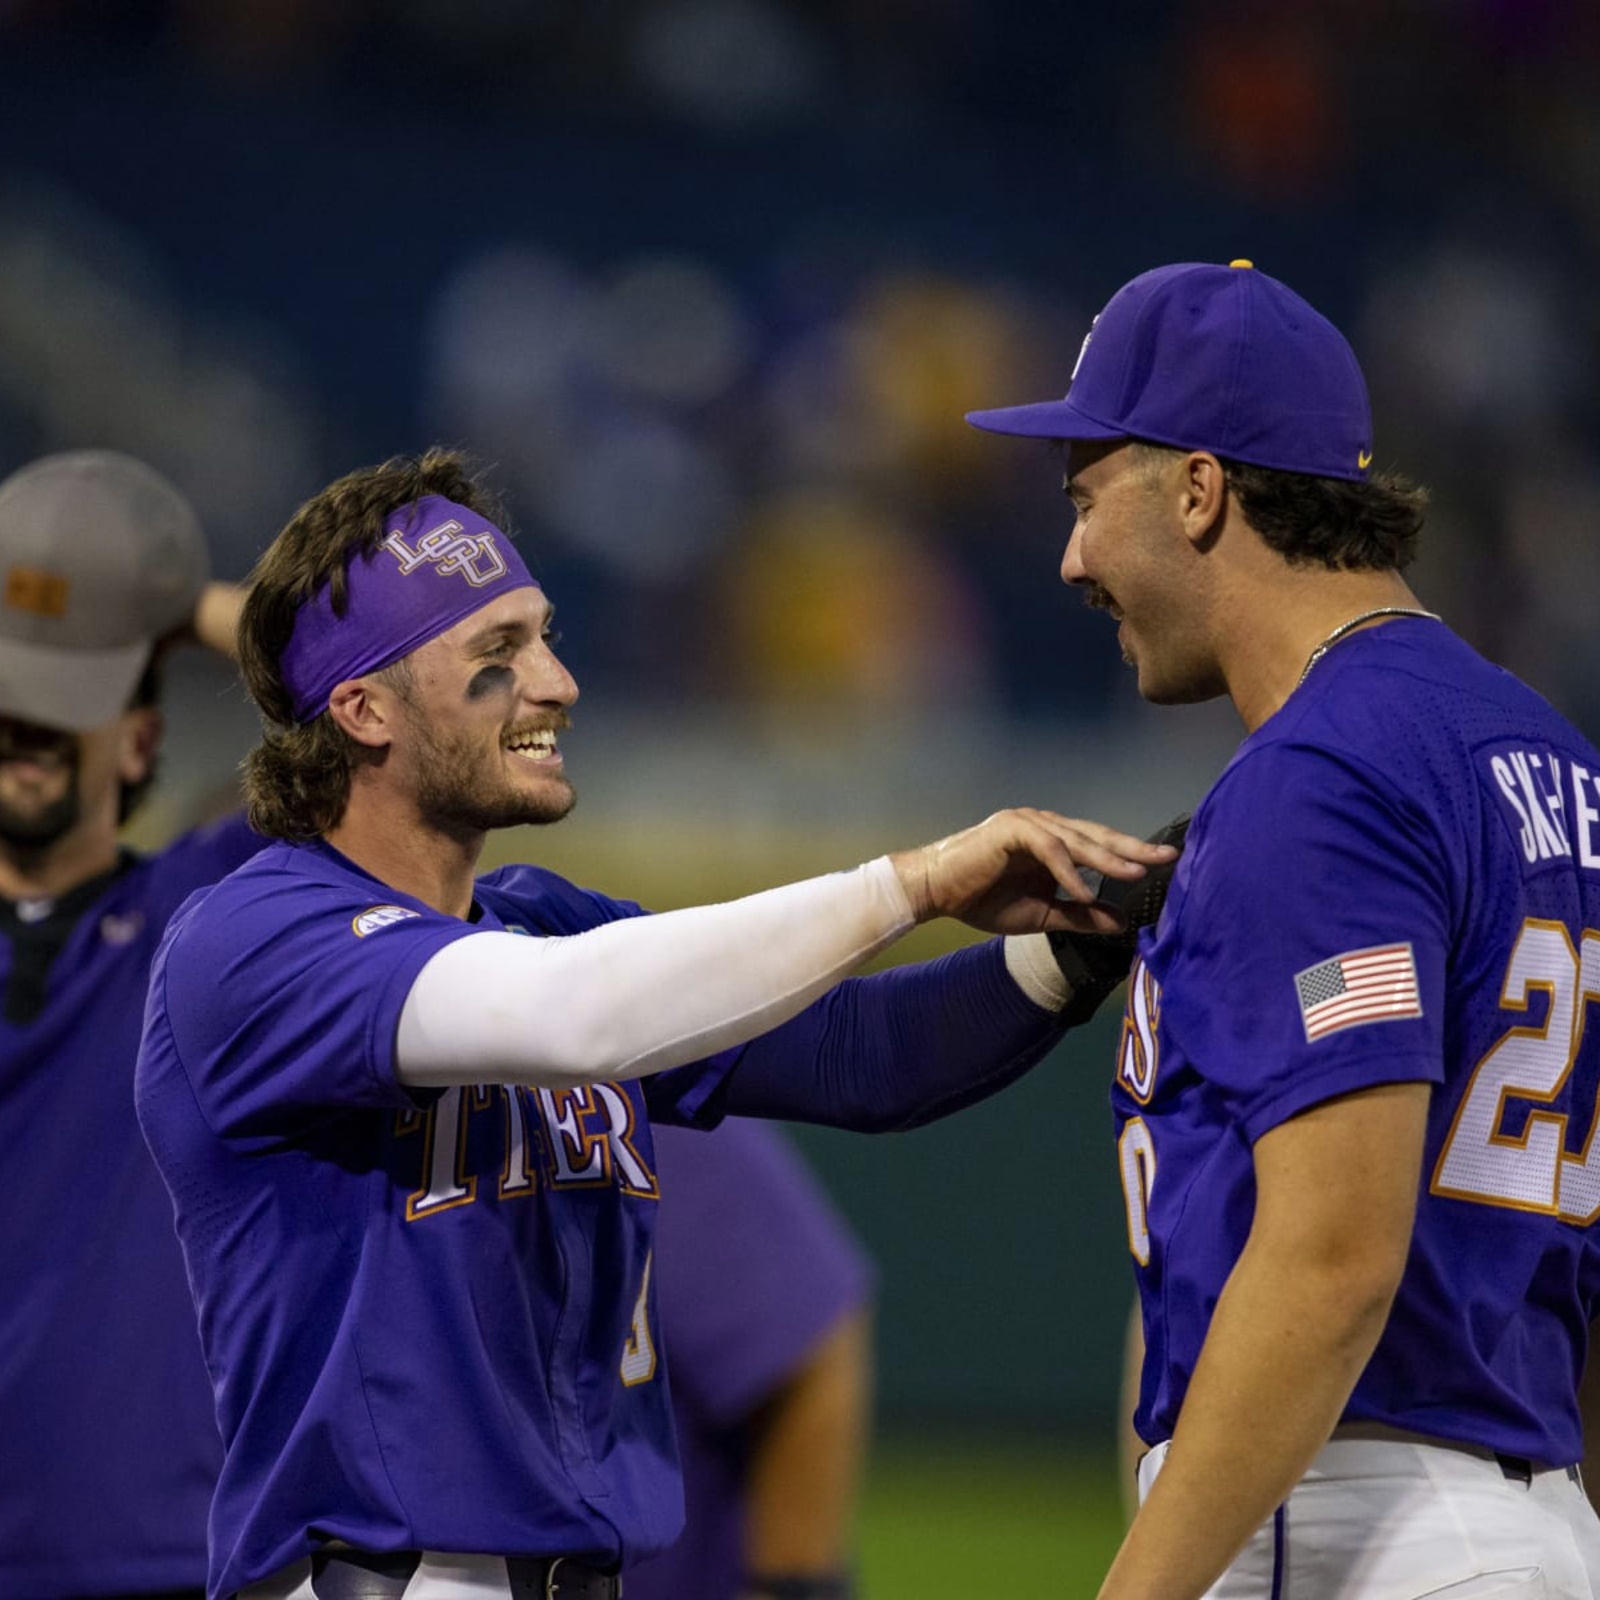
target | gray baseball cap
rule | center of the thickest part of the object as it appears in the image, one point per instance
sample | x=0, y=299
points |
x=99, y=558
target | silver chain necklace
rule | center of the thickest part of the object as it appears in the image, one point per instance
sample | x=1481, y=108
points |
x=1355, y=622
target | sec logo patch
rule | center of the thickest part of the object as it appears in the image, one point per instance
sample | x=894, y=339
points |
x=375, y=917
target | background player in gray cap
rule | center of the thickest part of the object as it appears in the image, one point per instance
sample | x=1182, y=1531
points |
x=110, y=1444
x=1357, y=1093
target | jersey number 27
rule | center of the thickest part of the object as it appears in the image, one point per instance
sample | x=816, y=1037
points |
x=1531, y=1170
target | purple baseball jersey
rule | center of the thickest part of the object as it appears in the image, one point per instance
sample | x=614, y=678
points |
x=429, y=1317
x=1397, y=878
x=753, y=1268
x=111, y=1446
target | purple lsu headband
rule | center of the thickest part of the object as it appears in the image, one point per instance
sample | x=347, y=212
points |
x=438, y=562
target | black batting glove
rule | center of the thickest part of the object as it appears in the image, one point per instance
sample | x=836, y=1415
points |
x=1096, y=963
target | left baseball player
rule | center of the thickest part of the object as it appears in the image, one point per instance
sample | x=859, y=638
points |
x=110, y=1446
x=409, y=1150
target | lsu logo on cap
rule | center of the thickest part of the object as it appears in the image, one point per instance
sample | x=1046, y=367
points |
x=1083, y=350
x=450, y=549
x=375, y=917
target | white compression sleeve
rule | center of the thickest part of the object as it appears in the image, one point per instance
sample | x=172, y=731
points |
x=642, y=994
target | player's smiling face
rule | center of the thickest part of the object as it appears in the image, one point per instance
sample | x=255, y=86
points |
x=487, y=702
x=1129, y=555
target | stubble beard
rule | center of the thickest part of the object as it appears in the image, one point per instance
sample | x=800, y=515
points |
x=29, y=830
x=456, y=796
x=1167, y=681
x=1180, y=683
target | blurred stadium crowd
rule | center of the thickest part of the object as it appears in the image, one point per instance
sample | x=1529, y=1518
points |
x=712, y=282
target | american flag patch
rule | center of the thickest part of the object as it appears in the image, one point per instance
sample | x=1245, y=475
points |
x=1375, y=985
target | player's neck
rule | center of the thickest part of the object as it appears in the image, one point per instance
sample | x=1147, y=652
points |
x=1281, y=626
x=398, y=848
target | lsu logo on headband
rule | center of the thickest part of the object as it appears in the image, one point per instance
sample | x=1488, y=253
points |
x=447, y=563
x=451, y=549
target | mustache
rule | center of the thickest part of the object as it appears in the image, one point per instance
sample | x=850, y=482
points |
x=1098, y=598
x=554, y=722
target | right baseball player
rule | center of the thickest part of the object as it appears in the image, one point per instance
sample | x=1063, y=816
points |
x=1356, y=1091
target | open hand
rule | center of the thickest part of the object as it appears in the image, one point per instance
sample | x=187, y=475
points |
x=1017, y=872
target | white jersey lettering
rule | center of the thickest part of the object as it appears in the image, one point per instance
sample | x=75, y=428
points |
x=1585, y=816
x=1504, y=776
x=592, y=1138
x=446, y=1182
x=520, y=1176
x=1136, y=1053
x=576, y=1155
x=1547, y=837
x=589, y=1137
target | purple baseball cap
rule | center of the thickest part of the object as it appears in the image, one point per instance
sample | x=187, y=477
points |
x=1223, y=359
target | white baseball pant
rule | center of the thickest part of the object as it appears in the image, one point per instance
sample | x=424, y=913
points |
x=1382, y=1515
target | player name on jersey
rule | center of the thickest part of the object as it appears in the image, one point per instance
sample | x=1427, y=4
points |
x=589, y=1135
x=1554, y=803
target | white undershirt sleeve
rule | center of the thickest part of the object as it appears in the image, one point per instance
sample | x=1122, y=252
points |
x=642, y=994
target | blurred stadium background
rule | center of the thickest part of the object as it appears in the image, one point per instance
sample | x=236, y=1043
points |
x=711, y=282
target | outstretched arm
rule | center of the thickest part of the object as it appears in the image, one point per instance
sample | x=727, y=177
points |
x=896, y=1050
x=644, y=994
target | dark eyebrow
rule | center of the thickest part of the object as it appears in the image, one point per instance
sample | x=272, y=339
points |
x=496, y=634
x=513, y=632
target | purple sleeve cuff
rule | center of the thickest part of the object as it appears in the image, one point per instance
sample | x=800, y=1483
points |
x=897, y=1049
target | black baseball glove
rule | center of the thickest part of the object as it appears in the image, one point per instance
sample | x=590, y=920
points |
x=1096, y=963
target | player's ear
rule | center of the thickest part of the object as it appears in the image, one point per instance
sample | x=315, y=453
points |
x=366, y=709
x=140, y=739
x=1203, y=493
